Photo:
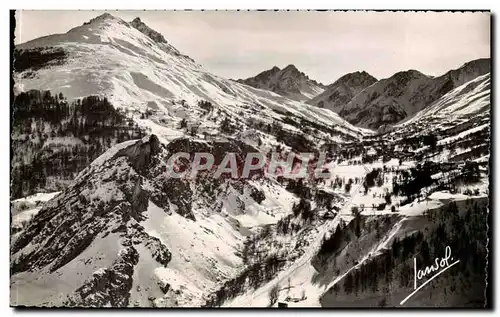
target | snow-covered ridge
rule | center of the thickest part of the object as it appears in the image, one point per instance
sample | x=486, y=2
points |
x=404, y=94
x=121, y=220
x=471, y=98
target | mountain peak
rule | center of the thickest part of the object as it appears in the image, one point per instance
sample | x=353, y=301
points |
x=288, y=82
x=410, y=72
x=143, y=28
x=344, y=89
x=103, y=17
x=405, y=93
x=475, y=67
x=357, y=74
x=291, y=67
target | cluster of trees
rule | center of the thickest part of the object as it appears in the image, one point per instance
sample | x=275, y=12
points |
x=470, y=172
x=413, y=143
x=297, y=141
x=273, y=294
x=310, y=127
x=375, y=177
x=251, y=252
x=148, y=113
x=286, y=225
x=393, y=269
x=81, y=117
x=369, y=158
x=53, y=139
x=410, y=183
x=471, y=192
x=332, y=243
x=36, y=58
x=303, y=209
x=183, y=123
x=303, y=191
x=205, y=105
x=430, y=140
x=370, y=276
x=349, y=183
x=299, y=188
x=252, y=277
x=343, y=234
x=226, y=126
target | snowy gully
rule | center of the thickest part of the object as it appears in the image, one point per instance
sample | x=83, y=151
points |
x=440, y=265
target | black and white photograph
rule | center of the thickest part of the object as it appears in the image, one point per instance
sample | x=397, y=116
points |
x=250, y=159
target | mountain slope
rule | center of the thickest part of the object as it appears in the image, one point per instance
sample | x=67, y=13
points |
x=110, y=57
x=405, y=93
x=342, y=90
x=126, y=234
x=288, y=82
x=363, y=257
x=118, y=223
x=464, y=102
x=150, y=83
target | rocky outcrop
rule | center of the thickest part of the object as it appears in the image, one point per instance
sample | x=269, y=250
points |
x=140, y=154
x=143, y=28
x=109, y=286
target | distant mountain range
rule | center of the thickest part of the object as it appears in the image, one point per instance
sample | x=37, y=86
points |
x=402, y=95
x=363, y=100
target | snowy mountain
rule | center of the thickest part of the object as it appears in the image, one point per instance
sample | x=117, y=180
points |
x=462, y=103
x=146, y=80
x=342, y=90
x=428, y=192
x=118, y=222
x=135, y=69
x=125, y=234
x=404, y=94
x=101, y=110
x=288, y=82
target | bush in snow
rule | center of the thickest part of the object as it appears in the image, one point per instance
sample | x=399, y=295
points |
x=273, y=295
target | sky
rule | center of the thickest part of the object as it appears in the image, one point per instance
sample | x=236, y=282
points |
x=324, y=45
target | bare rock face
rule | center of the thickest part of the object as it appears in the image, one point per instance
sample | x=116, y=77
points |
x=140, y=153
x=106, y=199
x=110, y=286
x=181, y=192
x=155, y=36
